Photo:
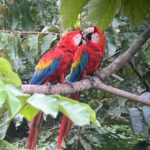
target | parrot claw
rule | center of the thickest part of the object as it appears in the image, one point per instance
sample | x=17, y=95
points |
x=49, y=86
x=69, y=83
x=91, y=79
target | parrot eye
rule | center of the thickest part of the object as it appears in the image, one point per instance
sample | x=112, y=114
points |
x=95, y=37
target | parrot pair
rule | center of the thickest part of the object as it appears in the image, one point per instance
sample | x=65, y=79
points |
x=78, y=54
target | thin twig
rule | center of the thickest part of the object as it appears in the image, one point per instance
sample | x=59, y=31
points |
x=27, y=32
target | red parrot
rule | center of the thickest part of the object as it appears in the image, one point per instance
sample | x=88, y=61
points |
x=87, y=60
x=53, y=67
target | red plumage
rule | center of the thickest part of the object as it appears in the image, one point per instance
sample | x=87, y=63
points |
x=87, y=60
x=53, y=67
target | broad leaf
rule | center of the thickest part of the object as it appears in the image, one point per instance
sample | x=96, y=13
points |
x=4, y=66
x=70, y=10
x=9, y=75
x=47, y=104
x=79, y=113
x=136, y=10
x=29, y=112
x=13, y=104
x=102, y=12
x=12, y=78
x=3, y=97
x=3, y=129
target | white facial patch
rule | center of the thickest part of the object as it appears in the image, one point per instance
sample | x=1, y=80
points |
x=89, y=30
x=77, y=39
x=95, y=37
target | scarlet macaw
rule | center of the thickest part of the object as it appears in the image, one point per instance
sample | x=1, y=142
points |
x=53, y=67
x=87, y=60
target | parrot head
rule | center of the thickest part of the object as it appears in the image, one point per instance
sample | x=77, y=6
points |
x=95, y=36
x=72, y=40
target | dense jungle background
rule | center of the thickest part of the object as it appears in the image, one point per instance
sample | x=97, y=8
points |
x=30, y=28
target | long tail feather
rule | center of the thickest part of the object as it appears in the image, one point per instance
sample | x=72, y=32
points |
x=34, y=131
x=66, y=125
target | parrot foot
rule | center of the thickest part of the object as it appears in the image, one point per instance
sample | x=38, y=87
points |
x=91, y=79
x=69, y=83
x=49, y=86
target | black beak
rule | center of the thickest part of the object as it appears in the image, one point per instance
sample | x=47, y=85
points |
x=81, y=42
x=88, y=36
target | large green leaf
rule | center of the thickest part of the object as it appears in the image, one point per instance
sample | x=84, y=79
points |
x=136, y=10
x=9, y=75
x=13, y=99
x=2, y=98
x=102, y=12
x=79, y=113
x=70, y=10
x=14, y=103
x=47, y=104
x=29, y=112
x=3, y=129
x=4, y=66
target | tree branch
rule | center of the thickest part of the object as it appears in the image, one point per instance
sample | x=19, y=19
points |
x=27, y=32
x=96, y=83
x=82, y=85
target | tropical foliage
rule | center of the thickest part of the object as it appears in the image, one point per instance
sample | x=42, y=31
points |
x=122, y=21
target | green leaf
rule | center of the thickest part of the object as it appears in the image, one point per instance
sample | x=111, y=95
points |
x=2, y=98
x=15, y=99
x=15, y=91
x=8, y=145
x=10, y=76
x=102, y=12
x=13, y=104
x=29, y=112
x=3, y=129
x=12, y=48
x=79, y=113
x=26, y=20
x=15, y=14
x=136, y=10
x=47, y=104
x=33, y=44
x=5, y=66
x=70, y=10
x=46, y=43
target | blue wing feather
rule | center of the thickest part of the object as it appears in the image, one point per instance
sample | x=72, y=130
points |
x=39, y=77
x=76, y=73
